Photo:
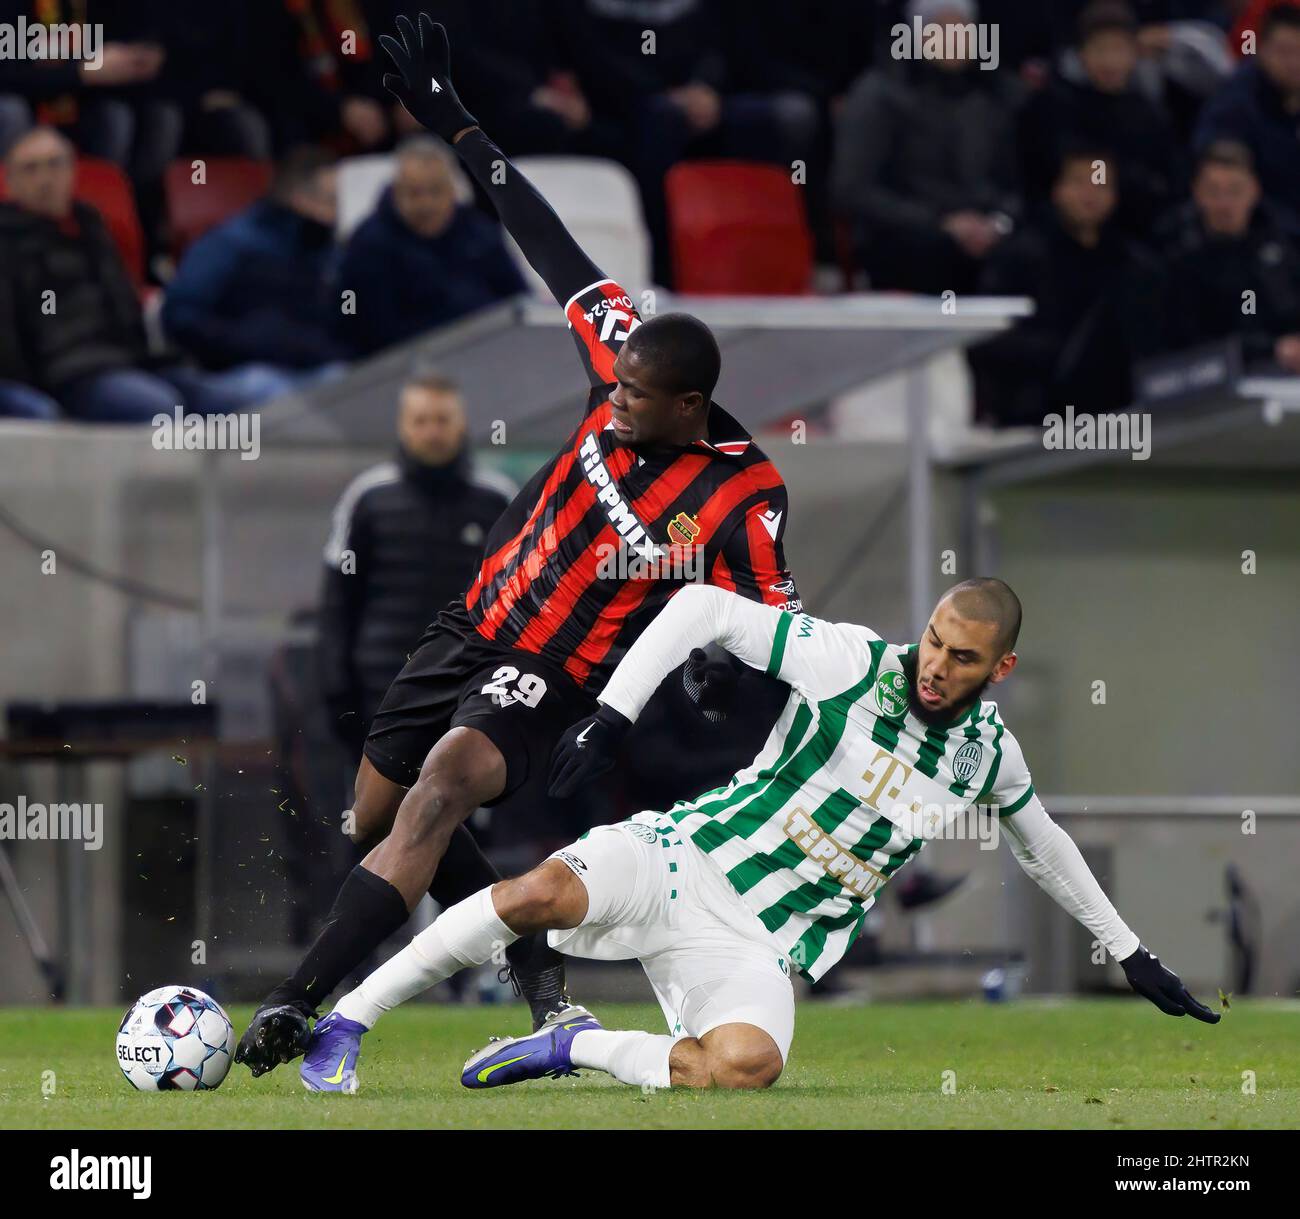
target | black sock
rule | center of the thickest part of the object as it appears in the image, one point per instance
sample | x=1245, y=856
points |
x=539, y=972
x=365, y=913
x=462, y=871
x=530, y=954
x=537, y=967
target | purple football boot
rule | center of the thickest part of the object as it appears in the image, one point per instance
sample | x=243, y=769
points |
x=330, y=1064
x=545, y=1053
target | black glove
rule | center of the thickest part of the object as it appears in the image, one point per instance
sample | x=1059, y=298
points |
x=1163, y=987
x=424, y=85
x=709, y=684
x=586, y=751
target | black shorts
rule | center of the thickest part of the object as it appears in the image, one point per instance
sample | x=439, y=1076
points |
x=455, y=677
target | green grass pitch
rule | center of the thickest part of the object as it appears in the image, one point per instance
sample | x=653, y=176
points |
x=1107, y=1064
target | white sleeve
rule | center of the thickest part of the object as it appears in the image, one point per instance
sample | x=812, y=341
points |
x=819, y=659
x=1050, y=856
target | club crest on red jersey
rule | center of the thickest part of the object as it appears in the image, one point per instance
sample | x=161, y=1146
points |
x=684, y=529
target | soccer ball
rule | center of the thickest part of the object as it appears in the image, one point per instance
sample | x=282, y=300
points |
x=175, y=1038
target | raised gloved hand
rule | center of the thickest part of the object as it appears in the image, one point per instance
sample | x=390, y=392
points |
x=1163, y=987
x=586, y=751
x=422, y=82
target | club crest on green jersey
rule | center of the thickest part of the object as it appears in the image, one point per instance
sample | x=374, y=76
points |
x=891, y=694
x=966, y=761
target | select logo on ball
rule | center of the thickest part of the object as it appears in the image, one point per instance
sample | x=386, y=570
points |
x=175, y=1039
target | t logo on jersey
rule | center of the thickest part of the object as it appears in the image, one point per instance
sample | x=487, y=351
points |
x=885, y=781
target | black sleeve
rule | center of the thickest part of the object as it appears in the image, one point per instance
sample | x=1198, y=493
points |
x=13, y=360
x=529, y=219
x=342, y=598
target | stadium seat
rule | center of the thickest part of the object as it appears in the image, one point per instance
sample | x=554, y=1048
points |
x=599, y=202
x=232, y=183
x=363, y=179
x=737, y=229
x=107, y=189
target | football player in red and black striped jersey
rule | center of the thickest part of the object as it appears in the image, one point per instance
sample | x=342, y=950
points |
x=656, y=487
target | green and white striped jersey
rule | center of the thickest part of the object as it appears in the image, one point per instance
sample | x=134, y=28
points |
x=849, y=785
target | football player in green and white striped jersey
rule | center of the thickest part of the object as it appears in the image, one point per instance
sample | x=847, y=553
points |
x=879, y=749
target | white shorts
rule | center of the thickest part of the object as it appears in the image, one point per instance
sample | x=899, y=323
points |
x=654, y=896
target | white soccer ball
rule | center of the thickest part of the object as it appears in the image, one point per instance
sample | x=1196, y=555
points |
x=175, y=1038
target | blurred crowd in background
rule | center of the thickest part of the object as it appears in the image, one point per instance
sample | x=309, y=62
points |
x=1126, y=165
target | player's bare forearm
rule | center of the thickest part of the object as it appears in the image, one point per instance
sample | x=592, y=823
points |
x=424, y=86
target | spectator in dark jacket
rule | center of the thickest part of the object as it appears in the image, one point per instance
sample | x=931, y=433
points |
x=421, y=259
x=406, y=540
x=71, y=327
x=1094, y=306
x=1105, y=109
x=924, y=167
x=1229, y=267
x=260, y=287
x=1260, y=107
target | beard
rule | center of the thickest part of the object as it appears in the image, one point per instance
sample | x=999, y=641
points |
x=941, y=717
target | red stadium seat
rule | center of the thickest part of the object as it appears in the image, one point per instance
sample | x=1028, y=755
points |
x=107, y=189
x=192, y=208
x=737, y=228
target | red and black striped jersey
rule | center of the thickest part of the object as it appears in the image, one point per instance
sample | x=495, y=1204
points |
x=592, y=548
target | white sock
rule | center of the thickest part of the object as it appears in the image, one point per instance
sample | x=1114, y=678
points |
x=467, y=933
x=630, y=1057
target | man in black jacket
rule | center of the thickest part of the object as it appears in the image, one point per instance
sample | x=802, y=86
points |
x=924, y=167
x=1105, y=108
x=1230, y=268
x=1260, y=106
x=406, y=540
x=1094, y=305
x=76, y=330
x=73, y=328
